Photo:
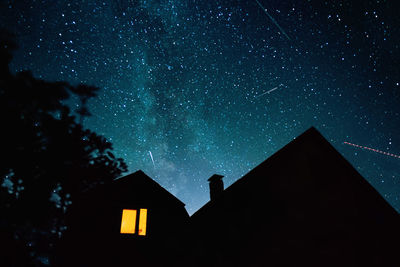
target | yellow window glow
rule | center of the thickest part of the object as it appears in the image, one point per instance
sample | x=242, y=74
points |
x=142, y=221
x=128, y=222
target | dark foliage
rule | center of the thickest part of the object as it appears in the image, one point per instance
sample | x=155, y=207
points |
x=48, y=159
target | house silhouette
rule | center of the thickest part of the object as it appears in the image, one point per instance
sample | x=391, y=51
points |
x=304, y=206
x=97, y=238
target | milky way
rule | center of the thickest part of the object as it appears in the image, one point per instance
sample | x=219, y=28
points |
x=181, y=79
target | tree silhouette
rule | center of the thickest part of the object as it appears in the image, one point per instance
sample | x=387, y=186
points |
x=48, y=159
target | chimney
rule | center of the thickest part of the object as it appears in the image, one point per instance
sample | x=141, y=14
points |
x=216, y=186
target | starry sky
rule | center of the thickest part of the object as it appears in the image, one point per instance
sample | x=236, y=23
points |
x=192, y=88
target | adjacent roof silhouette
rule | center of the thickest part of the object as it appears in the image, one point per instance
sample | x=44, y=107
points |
x=304, y=206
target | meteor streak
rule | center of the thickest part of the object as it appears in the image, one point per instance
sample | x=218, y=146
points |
x=372, y=149
x=267, y=92
x=152, y=160
x=273, y=20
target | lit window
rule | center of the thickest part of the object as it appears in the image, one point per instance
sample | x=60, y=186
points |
x=142, y=221
x=128, y=221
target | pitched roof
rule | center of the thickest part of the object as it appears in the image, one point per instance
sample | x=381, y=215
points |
x=142, y=181
x=311, y=145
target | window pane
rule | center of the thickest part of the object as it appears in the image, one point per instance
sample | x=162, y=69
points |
x=128, y=222
x=142, y=221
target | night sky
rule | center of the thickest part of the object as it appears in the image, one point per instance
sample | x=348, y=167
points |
x=193, y=88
